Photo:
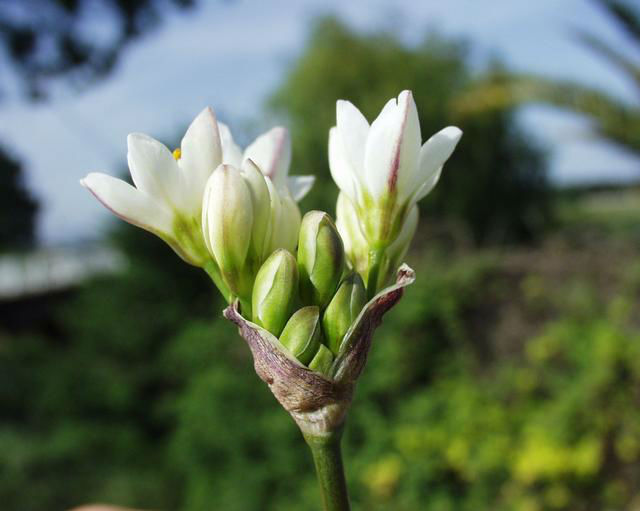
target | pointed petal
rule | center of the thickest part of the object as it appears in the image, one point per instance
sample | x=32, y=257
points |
x=129, y=204
x=428, y=185
x=341, y=171
x=299, y=186
x=392, y=150
x=231, y=153
x=353, y=129
x=201, y=153
x=435, y=152
x=271, y=152
x=155, y=171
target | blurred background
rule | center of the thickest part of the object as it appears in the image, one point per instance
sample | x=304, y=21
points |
x=508, y=379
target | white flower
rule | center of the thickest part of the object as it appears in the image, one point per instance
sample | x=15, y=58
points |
x=167, y=197
x=271, y=152
x=382, y=168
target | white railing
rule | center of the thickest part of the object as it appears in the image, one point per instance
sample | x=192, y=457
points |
x=54, y=269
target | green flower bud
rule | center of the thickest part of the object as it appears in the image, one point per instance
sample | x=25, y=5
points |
x=274, y=291
x=320, y=258
x=322, y=360
x=343, y=310
x=227, y=220
x=302, y=333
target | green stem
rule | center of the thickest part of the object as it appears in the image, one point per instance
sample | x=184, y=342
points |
x=214, y=272
x=375, y=260
x=327, y=457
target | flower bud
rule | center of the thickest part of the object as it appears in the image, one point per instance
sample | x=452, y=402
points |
x=320, y=258
x=322, y=360
x=227, y=225
x=274, y=291
x=343, y=310
x=302, y=333
x=260, y=199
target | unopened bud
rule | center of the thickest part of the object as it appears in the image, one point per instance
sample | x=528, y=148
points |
x=320, y=258
x=322, y=360
x=343, y=310
x=227, y=221
x=274, y=291
x=302, y=333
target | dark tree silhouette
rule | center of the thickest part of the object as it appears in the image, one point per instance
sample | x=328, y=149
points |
x=79, y=40
x=17, y=208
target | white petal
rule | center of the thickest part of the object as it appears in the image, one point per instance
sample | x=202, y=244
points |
x=427, y=186
x=201, y=153
x=155, y=171
x=271, y=152
x=231, y=153
x=299, y=186
x=287, y=229
x=131, y=205
x=341, y=171
x=353, y=129
x=435, y=152
x=392, y=150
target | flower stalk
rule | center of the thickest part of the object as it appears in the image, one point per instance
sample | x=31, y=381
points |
x=327, y=458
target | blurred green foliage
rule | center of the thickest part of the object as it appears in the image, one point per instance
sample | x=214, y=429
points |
x=493, y=386
x=507, y=379
x=495, y=184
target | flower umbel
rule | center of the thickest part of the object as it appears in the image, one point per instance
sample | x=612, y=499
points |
x=249, y=210
x=306, y=294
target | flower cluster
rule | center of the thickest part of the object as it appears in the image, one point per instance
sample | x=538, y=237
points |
x=218, y=207
x=316, y=285
x=235, y=214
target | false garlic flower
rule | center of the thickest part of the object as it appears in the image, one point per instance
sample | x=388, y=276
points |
x=382, y=168
x=167, y=197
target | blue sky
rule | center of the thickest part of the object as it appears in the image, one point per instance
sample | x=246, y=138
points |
x=231, y=55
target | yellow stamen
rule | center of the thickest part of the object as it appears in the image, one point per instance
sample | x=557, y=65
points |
x=177, y=153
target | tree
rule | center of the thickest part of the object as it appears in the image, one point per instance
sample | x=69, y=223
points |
x=17, y=209
x=614, y=119
x=495, y=184
x=49, y=38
